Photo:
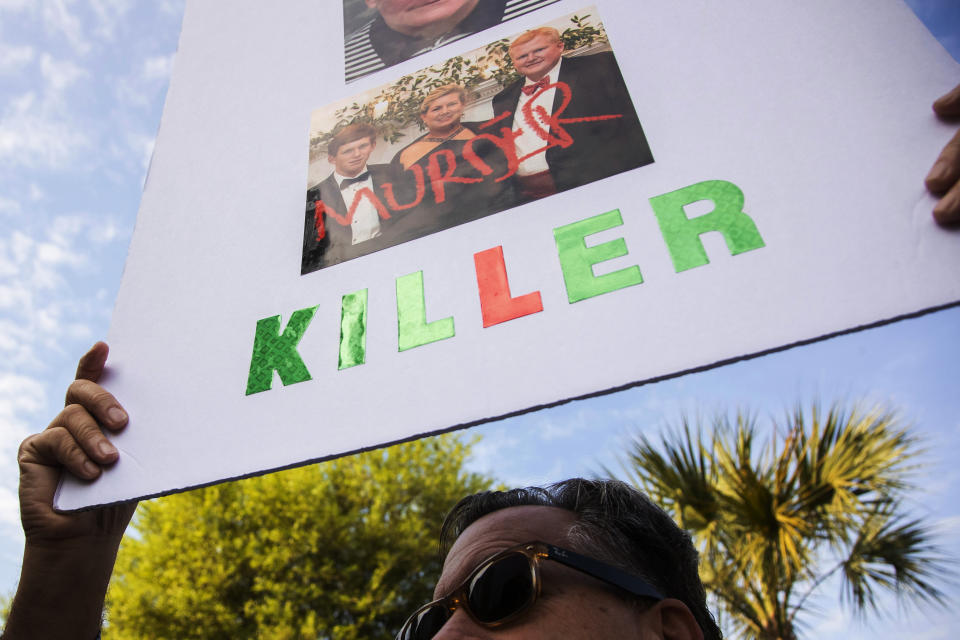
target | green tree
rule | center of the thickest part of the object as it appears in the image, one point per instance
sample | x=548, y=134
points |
x=342, y=550
x=775, y=513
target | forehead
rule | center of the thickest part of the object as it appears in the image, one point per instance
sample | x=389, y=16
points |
x=444, y=99
x=537, y=42
x=500, y=530
x=355, y=144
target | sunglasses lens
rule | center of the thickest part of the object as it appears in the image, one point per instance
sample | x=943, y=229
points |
x=426, y=624
x=501, y=589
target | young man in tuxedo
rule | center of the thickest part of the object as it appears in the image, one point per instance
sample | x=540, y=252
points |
x=327, y=238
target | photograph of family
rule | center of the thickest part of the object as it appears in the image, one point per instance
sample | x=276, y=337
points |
x=521, y=119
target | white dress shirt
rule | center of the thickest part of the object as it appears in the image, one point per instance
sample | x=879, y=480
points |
x=528, y=141
x=366, y=221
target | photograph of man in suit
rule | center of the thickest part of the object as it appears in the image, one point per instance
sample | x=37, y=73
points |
x=600, y=134
x=327, y=240
x=402, y=29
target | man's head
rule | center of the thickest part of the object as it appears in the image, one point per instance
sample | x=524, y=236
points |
x=605, y=520
x=443, y=107
x=423, y=18
x=349, y=150
x=535, y=52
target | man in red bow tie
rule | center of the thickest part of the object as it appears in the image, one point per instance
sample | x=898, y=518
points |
x=574, y=120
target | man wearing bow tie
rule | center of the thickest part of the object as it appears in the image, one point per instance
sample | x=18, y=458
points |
x=574, y=116
x=331, y=234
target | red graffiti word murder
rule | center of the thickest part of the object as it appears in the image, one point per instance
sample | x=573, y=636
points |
x=442, y=164
x=320, y=208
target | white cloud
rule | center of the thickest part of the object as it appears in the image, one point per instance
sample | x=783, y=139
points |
x=47, y=319
x=158, y=67
x=58, y=74
x=141, y=87
x=15, y=344
x=108, y=14
x=59, y=19
x=486, y=454
x=172, y=7
x=77, y=331
x=142, y=146
x=7, y=267
x=553, y=430
x=22, y=398
x=20, y=246
x=49, y=254
x=63, y=229
x=23, y=103
x=104, y=233
x=12, y=297
x=14, y=57
x=31, y=136
x=37, y=272
x=20, y=394
x=9, y=206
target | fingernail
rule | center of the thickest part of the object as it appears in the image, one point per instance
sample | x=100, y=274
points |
x=939, y=171
x=945, y=214
x=90, y=469
x=117, y=415
x=948, y=209
x=107, y=449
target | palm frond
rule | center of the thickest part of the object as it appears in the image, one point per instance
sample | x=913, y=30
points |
x=681, y=478
x=852, y=457
x=893, y=554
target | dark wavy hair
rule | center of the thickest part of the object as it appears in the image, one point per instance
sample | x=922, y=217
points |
x=616, y=524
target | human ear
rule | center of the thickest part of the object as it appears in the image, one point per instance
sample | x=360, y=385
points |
x=371, y=4
x=670, y=619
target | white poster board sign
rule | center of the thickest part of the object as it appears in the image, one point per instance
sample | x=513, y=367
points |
x=695, y=184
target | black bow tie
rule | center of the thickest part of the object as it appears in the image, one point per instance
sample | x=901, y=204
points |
x=363, y=177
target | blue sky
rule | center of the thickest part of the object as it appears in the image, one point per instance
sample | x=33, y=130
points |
x=81, y=91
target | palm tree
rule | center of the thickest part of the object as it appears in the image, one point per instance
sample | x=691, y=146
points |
x=774, y=517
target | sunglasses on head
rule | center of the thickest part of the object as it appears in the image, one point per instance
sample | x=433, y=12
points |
x=506, y=585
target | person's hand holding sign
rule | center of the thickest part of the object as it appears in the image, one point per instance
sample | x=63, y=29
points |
x=944, y=177
x=68, y=558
